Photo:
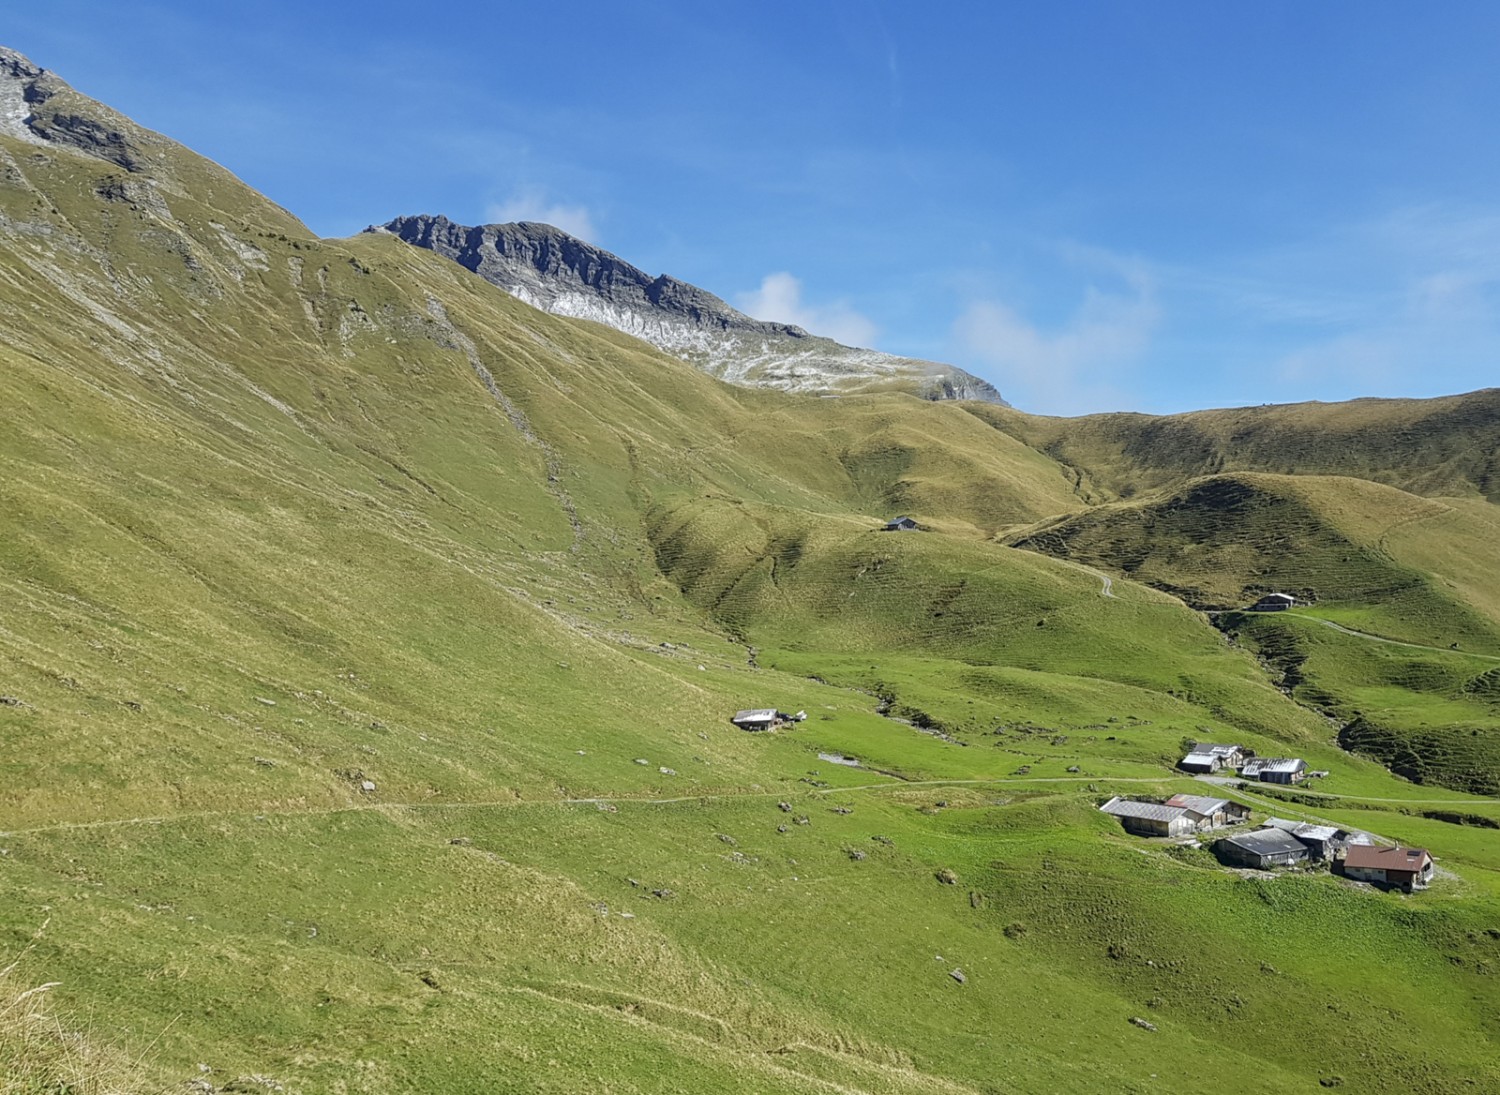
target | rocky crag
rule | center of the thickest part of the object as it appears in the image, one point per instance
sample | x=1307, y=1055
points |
x=564, y=275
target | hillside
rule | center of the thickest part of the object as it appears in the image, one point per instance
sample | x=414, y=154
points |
x=371, y=641
x=1431, y=447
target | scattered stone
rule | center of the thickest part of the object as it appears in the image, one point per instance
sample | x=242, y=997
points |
x=1015, y=930
x=947, y=877
x=367, y=786
x=643, y=761
x=1144, y=1024
x=627, y=916
x=461, y=841
x=602, y=909
x=252, y=1083
x=782, y=828
x=958, y=975
x=664, y=893
x=727, y=839
x=855, y=853
x=607, y=807
x=1331, y=1081
x=784, y=807
x=134, y=705
x=843, y=809
x=1073, y=768
x=11, y=701
x=802, y=819
x=262, y=699
x=667, y=771
x=1266, y=967
x=264, y=762
x=428, y=978
x=704, y=668
x=887, y=841
x=632, y=881
x=581, y=753
x=976, y=899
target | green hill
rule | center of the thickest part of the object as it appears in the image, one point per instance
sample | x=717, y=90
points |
x=369, y=649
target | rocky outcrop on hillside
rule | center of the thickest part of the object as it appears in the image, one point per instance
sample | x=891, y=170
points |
x=562, y=274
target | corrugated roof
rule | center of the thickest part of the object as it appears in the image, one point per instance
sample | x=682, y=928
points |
x=1385, y=859
x=1302, y=828
x=1273, y=764
x=1149, y=810
x=760, y=714
x=1267, y=842
x=1200, y=804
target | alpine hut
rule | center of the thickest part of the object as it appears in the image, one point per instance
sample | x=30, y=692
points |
x=1408, y=868
x=1262, y=849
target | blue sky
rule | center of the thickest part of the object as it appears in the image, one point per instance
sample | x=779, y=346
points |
x=1098, y=206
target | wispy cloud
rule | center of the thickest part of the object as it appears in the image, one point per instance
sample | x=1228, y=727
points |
x=533, y=204
x=1388, y=304
x=1078, y=365
x=779, y=299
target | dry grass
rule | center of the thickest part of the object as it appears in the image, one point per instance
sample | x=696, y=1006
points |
x=41, y=1053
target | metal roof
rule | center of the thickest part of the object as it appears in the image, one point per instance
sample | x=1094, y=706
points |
x=1379, y=858
x=1303, y=829
x=1199, y=804
x=1198, y=760
x=1151, y=811
x=1273, y=764
x=1267, y=842
x=760, y=714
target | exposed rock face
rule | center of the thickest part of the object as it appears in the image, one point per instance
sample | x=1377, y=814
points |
x=564, y=275
x=28, y=111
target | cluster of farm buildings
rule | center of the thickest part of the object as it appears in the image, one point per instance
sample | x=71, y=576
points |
x=1208, y=759
x=1276, y=842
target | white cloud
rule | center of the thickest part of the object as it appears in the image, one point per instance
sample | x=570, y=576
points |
x=779, y=300
x=1074, y=367
x=531, y=204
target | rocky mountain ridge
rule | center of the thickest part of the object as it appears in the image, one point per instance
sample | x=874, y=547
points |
x=564, y=275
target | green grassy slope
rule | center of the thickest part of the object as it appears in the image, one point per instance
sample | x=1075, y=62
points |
x=1435, y=447
x=286, y=518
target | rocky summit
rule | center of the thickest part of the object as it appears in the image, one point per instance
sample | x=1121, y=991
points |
x=564, y=275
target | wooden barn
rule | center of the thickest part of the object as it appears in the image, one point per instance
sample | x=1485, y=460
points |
x=761, y=718
x=1214, y=811
x=1151, y=819
x=1209, y=758
x=1275, y=769
x=1322, y=841
x=901, y=524
x=1274, y=602
x=1263, y=849
x=1407, y=868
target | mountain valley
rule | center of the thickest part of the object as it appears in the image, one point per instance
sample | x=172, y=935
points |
x=375, y=621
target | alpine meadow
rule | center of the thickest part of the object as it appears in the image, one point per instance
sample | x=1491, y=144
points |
x=372, y=638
